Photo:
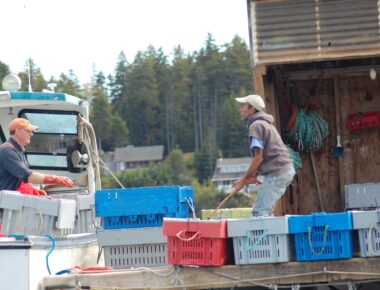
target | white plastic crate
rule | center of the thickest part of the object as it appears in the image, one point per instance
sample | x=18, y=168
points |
x=362, y=195
x=260, y=240
x=85, y=220
x=368, y=225
x=134, y=247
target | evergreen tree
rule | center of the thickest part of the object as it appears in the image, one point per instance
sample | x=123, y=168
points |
x=180, y=113
x=37, y=80
x=111, y=130
x=142, y=109
x=233, y=133
x=237, y=65
x=118, y=83
x=177, y=167
x=4, y=70
x=203, y=164
x=69, y=84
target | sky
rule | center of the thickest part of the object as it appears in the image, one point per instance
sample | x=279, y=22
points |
x=83, y=35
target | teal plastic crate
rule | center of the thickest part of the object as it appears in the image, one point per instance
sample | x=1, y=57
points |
x=143, y=206
x=322, y=236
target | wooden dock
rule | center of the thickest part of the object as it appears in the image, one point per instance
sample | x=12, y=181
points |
x=356, y=270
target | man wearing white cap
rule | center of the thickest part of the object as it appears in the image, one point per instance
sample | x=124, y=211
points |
x=270, y=158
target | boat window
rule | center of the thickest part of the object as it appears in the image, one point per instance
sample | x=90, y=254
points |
x=2, y=136
x=55, y=123
x=47, y=149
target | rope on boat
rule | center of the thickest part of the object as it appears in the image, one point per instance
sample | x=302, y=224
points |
x=48, y=254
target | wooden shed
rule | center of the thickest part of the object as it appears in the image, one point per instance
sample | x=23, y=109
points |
x=323, y=54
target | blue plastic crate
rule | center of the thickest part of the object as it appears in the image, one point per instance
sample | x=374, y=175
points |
x=143, y=206
x=322, y=236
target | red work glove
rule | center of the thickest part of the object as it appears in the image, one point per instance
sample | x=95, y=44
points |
x=39, y=192
x=59, y=180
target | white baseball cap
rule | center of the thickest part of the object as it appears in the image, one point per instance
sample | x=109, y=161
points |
x=254, y=100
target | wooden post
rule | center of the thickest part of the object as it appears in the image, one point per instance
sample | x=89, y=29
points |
x=258, y=82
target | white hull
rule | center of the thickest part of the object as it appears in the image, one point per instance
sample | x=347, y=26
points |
x=23, y=261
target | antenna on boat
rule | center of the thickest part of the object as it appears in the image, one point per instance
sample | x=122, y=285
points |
x=30, y=83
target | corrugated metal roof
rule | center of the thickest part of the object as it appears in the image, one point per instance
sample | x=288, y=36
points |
x=143, y=153
x=295, y=30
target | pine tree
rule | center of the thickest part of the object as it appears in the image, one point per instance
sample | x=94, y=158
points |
x=233, y=133
x=4, y=70
x=37, y=80
x=69, y=84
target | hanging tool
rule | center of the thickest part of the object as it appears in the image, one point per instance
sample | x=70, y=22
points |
x=338, y=149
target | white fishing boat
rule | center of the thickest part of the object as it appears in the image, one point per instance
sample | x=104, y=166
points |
x=42, y=236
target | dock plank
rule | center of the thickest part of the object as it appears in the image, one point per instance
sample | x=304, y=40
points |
x=192, y=277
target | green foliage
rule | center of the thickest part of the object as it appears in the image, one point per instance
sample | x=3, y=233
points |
x=111, y=130
x=172, y=171
x=177, y=166
x=233, y=135
x=186, y=103
x=203, y=164
x=69, y=84
x=37, y=79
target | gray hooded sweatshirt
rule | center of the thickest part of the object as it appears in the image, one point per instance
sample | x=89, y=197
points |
x=276, y=156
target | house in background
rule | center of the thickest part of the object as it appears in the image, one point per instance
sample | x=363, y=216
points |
x=228, y=170
x=131, y=157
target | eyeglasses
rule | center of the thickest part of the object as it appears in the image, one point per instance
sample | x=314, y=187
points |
x=29, y=131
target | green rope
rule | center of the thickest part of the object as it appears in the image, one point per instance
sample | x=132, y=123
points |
x=295, y=156
x=309, y=131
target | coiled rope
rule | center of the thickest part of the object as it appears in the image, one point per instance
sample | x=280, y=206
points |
x=295, y=156
x=309, y=131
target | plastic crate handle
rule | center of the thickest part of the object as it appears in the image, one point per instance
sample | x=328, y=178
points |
x=189, y=239
x=247, y=247
x=324, y=241
x=370, y=248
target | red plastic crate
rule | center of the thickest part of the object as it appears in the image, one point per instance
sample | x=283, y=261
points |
x=197, y=242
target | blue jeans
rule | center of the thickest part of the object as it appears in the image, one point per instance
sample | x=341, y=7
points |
x=270, y=191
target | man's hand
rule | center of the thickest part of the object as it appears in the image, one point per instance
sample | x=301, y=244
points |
x=39, y=192
x=239, y=184
x=253, y=180
x=59, y=180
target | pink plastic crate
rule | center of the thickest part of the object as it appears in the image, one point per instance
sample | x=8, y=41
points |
x=197, y=242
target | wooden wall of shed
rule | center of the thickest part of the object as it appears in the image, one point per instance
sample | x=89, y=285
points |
x=361, y=162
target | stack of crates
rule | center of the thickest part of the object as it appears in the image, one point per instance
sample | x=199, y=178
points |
x=228, y=213
x=132, y=223
x=260, y=240
x=322, y=236
x=367, y=223
x=197, y=242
